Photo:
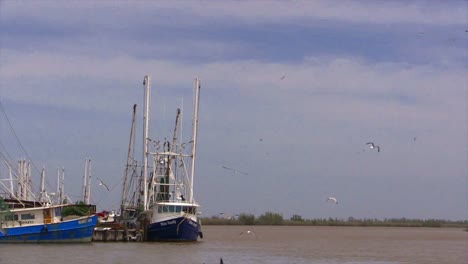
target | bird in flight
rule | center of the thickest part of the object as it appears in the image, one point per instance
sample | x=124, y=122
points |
x=372, y=145
x=248, y=232
x=282, y=77
x=101, y=183
x=133, y=238
x=235, y=171
x=333, y=199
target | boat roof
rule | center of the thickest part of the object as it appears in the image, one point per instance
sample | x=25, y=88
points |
x=178, y=204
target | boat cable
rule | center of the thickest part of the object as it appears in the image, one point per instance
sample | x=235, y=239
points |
x=18, y=141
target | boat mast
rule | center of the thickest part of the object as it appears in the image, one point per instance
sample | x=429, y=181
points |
x=129, y=160
x=11, y=179
x=194, y=134
x=42, y=198
x=146, y=83
x=58, y=186
x=87, y=181
x=62, y=186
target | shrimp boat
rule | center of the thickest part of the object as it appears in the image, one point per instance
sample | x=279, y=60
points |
x=36, y=222
x=23, y=218
x=167, y=182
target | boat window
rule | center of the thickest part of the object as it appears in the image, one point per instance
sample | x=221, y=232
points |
x=171, y=209
x=178, y=209
x=27, y=216
x=58, y=212
x=11, y=217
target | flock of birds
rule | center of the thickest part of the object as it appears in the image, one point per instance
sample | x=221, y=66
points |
x=371, y=145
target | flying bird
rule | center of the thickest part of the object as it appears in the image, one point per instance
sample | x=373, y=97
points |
x=248, y=232
x=284, y=76
x=101, y=183
x=372, y=145
x=133, y=238
x=333, y=199
x=235, y=171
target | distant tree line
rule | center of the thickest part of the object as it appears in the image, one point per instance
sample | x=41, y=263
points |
x=271, y=218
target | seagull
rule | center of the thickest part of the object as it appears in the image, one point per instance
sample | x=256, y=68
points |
x=235, y=171
x=284, y=76
x=248, y=232
x=101, y=183
x=133, y=238
x=372, y=145
x=332, y=199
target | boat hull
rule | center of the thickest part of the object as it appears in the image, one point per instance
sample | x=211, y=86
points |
x=74, y=231
x=177, y=229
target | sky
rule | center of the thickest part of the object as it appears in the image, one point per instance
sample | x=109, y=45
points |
x=291, y=92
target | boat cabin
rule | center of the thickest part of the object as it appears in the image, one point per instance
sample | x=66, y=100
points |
x=177, y=208
x=32, y=216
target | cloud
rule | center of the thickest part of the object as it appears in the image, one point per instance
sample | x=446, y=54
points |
x=354, y=72
x=417, y=12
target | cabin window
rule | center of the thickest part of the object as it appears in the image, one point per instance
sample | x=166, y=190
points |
x=174, y=209
x=58, y=211
x=11, y=217
x=27, y=216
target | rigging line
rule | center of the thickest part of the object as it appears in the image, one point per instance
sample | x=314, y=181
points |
x=6, y=152
x=16, y=136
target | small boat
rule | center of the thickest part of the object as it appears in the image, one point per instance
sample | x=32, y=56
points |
x=168, y=200
x=26, y=221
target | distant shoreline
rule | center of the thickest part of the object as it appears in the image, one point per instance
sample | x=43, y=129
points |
x=276, y=219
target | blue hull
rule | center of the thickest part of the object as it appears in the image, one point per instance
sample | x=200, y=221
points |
x=78, y=230
x=177, y=229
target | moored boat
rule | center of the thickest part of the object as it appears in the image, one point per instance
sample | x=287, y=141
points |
x=167, y=184
x=44, y=223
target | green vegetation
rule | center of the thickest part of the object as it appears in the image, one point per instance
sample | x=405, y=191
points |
x=78, y=209
x=4, y=209
x=270, y=218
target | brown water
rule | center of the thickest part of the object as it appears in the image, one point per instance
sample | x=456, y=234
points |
x=272, y=245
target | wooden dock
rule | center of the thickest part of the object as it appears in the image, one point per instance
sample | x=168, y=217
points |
x=106, y=234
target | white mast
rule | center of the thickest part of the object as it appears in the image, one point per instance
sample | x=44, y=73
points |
x=11, y=179
x=60, y=179
x=146, y=83
x=28, y=177
x=194, y=134
x=89, y=182
x=20, y=180
x=58, y=186
x=62, y=188
x=42, y=198
x=85, y=179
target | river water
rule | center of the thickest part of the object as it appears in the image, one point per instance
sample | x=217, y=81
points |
x=269, y=245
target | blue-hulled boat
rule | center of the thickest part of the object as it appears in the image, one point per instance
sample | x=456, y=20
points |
x=168, y=199
x=44, y=223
